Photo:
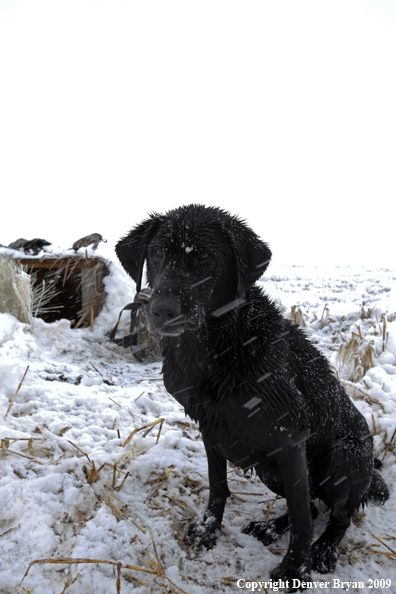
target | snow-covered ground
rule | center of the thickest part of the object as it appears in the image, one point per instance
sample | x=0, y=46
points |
x=70, y=489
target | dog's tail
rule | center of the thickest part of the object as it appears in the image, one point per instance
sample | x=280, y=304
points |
x=378, y=491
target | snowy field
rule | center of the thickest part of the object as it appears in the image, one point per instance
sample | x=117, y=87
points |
x=70, y=488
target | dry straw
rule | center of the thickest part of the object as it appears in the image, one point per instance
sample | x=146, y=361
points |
x=297, y=316
x=390, y=445
x=15, y=290
x=391, y=553
x=357, y=355
x=359, y=394
x=149, y=427
x=43, y=294
x=157, y=569
x=22, y=294
x=16, y=393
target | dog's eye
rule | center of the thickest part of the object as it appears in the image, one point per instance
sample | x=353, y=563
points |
x=159, y=253
x=203, y=256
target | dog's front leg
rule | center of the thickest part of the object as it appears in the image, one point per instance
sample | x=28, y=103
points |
x=204, y=532
x=296, y=564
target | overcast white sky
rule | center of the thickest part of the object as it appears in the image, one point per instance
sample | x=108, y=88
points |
x=283, y=112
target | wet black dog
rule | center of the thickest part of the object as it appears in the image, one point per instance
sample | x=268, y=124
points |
x=263, y=395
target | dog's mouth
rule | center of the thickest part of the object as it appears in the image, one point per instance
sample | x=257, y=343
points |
x=171, y=331
x=172, y=327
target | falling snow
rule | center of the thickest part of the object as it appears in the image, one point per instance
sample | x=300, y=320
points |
x=253, y=402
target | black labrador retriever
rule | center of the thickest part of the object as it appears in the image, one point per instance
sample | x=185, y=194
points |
x=263, y=395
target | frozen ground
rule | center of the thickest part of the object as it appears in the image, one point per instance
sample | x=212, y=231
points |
x=69, y=489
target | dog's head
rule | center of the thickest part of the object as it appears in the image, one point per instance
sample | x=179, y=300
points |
x=199, y=259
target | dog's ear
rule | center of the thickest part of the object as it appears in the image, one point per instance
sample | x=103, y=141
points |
x=252, y=254
x=132, y=249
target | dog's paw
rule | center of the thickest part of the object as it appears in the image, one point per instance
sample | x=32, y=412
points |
x=265, y=532
x=324, y=557
x=295, y=577
x=202, y=533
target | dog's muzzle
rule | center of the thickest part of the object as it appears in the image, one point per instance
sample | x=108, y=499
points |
x=166, y=316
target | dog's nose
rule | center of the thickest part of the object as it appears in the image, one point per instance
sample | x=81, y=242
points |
x=165, y=309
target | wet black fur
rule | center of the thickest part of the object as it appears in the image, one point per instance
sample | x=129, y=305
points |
x=263, y=395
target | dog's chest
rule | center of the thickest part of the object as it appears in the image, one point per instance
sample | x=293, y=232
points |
x=208, y=390
x=193, y=380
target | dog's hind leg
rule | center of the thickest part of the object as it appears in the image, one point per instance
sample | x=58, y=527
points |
x=204, y=532
x=348, y=476
x=324, y=551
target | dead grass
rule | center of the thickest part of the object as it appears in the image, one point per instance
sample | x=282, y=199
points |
x=16, y=393
x=297, y=316
x=326, y=319
x=5, y=447
x=71, y=561
x=390, y=447
x=367, y=314
x=21, y=294
x=149, y=427
x=42, y=295
x=15, y=290
x=390, y=553
x=357, y=355
x=156, y=566
x=359, y=394
x=154, y=561
x=385, y=333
